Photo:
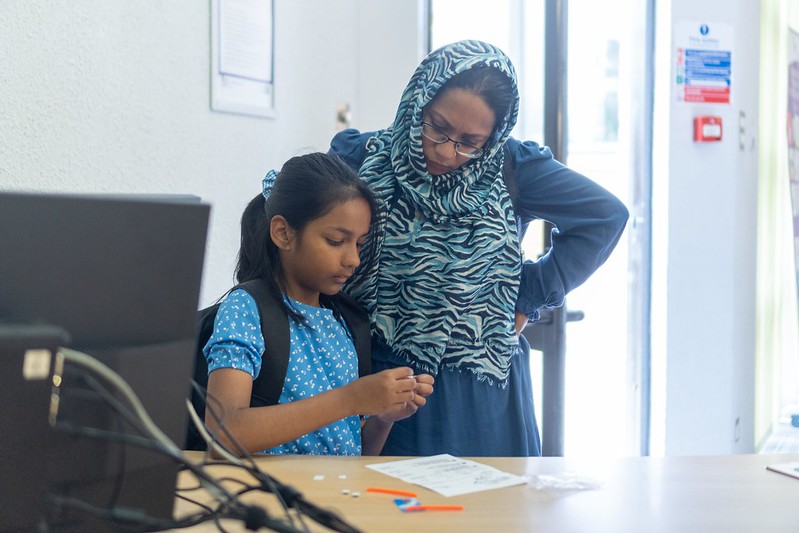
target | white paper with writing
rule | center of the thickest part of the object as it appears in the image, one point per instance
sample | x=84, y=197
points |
x=448, y=475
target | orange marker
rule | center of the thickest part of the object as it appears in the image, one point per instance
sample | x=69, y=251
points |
x=433, y=508
x=392, y=491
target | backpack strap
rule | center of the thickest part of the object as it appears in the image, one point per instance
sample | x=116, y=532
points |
x=266, y=388
x=358, y=321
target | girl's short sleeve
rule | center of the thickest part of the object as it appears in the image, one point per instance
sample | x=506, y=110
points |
x=237, y=341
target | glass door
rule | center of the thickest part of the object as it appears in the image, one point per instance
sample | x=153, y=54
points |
x=609, y=120
x=607, y=105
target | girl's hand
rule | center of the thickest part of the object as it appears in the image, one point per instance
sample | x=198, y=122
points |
x=423, y=389
x=377, y=427
x=382, y=392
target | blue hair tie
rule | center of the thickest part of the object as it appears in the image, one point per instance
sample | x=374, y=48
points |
x=268, y=183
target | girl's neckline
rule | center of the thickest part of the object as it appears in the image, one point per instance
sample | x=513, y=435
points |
x=303, y=306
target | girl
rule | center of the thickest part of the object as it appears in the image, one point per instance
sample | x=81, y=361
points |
x=440, y=170
x=303, y=235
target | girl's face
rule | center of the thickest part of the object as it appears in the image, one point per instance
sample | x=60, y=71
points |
x=463, y=117
x=321, y=257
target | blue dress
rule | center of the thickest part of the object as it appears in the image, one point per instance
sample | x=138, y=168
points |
x=469, y=416
x=322, y=358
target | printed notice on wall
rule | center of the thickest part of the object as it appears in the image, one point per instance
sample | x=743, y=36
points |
x=703, y=62
x=242, y=52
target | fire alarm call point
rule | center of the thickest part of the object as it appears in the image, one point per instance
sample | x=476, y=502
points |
x=707, y=129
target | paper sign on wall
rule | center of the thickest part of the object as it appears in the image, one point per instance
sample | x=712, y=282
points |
x=703, y=62
x=242, y=57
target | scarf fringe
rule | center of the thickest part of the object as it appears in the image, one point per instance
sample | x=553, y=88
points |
x=408, y=357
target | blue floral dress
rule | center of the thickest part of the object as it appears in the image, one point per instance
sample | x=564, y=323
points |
x=322, y=358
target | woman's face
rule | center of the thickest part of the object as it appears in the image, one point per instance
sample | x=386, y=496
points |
x=465, y=118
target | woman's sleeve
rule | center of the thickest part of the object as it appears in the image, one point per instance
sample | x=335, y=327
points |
x=350, y=145
x=588, y=222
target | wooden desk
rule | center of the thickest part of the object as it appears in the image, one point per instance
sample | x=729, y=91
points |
x=684, y=494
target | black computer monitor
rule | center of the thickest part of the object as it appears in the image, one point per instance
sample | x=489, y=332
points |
x=118, y=279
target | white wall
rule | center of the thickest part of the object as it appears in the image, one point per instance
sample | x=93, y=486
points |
x=705, y=198
x=392, y=41
x=113, y=96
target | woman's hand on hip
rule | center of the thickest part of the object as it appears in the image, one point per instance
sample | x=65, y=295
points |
x=520, y=320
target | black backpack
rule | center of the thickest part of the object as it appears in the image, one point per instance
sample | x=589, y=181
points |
x=266, y=388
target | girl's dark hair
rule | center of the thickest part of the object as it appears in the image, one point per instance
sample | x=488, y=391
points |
x=493, y=86
x=307, y=187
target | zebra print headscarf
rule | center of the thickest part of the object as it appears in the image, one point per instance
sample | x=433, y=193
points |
x=446, y=256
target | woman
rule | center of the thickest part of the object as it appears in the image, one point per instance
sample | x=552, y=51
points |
x=448, y=292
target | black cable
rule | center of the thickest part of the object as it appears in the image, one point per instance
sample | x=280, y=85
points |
x=195, y=502
x=229, y=505
x=294, y=499
x=127, y=517
x=142, y=442
x=148, y=443
x=99, y=390
x=254, y=517
x=207, y=397
x=273, y=488
x=207, y=508
x=113, y=497
x=218, y=522
x=288, y=496
x=137, y=520
x=325, y=517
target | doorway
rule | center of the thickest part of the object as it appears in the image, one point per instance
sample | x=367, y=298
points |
x=608, y=138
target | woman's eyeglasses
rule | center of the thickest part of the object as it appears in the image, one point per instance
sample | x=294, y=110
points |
x=439, y=137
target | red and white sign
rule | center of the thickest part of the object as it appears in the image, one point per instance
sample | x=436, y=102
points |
x=703, y=62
